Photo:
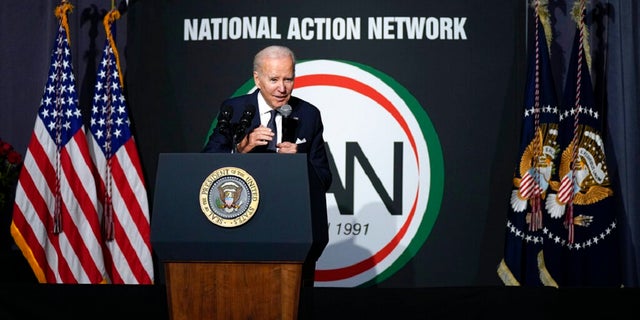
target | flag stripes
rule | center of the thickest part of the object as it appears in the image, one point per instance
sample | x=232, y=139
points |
x=74, y=255
x=72, y=183
x=121, y=189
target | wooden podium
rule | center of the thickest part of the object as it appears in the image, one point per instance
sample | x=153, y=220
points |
x=233, y=290
x=251, y=271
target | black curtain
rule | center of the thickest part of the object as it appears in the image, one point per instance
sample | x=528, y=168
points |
x=623, y=123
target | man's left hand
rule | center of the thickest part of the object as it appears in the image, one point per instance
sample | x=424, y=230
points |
x=287, y=147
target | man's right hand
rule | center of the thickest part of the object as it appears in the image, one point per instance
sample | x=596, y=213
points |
x=259, y=136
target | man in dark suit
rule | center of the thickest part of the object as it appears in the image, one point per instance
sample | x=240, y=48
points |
x=273, y=74
x=297, y=130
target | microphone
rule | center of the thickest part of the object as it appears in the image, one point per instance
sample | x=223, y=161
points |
x=224, y=119
x=285, y=110
x=245, y=122
x=288, y=124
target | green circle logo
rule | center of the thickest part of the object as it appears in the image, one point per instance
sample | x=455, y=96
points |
x=388, y=170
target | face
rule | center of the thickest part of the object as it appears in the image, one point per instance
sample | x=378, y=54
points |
x=275, y=80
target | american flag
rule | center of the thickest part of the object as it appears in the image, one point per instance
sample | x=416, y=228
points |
x=121, y=190
x=55, y=218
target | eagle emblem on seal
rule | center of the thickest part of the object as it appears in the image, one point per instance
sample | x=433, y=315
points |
x=229, y=195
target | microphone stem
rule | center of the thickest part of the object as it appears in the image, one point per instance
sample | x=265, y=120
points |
x=234, y=142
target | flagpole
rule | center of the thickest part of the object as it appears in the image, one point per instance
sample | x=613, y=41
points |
x=579, y=16
x=122, y=190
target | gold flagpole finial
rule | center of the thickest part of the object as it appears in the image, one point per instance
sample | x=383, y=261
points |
x=110, y=18
x=61, y=13
x=542, y=11
x=578, y=13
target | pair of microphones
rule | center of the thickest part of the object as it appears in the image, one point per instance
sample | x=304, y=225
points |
x=236, y=131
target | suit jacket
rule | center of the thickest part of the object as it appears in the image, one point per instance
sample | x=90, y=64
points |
x=308, y=133
x=308, y=136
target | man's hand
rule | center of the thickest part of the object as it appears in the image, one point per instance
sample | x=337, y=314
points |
x=259, y=136
x=287, y=147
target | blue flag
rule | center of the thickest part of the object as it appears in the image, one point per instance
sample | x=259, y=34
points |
x=581, y=245
x=523, y=263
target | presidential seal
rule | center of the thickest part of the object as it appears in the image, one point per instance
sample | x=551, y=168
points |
x=229, y=197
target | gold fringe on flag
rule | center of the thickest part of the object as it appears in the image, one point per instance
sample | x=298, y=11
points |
x=545, y=276
x=505, y=274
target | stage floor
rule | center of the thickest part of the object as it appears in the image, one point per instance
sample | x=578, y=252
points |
x=48, y=301
x=22, y=298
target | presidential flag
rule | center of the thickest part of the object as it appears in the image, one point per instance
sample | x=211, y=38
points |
x=121, y=189
x=523, y=260
x=55, y=217
x=581, y=240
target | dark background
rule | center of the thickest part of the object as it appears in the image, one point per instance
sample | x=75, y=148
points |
x=471, y=90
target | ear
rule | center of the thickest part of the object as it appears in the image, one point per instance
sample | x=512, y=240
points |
x=255, y=79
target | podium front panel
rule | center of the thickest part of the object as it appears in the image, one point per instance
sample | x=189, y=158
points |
x=279, y=230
